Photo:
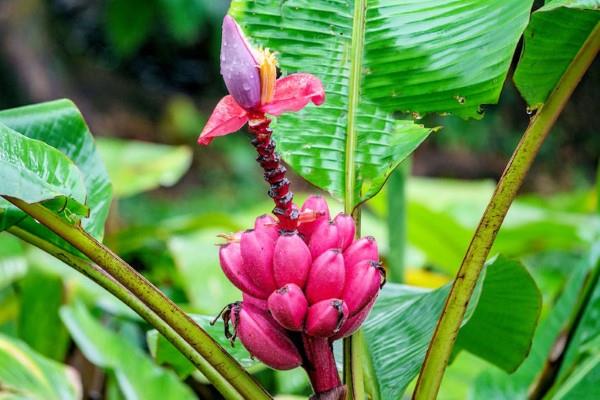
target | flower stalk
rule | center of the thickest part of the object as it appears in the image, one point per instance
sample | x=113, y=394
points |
x=321, y=368
x=274, y=172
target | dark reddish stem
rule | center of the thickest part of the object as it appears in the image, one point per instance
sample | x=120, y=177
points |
x=275, y=171
x=321, y=368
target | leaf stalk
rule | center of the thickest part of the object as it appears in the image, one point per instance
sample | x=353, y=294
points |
x=100, y=277
x=444, y=337
x=153, y=299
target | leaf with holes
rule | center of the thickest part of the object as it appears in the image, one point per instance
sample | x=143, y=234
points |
x=376, y=58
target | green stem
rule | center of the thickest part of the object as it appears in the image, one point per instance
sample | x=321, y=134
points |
x=452, y=315
x=353, y=373
x=356, y=59
x=353, y=362
x=396, y=220
x=104, y=280
x=153, y=298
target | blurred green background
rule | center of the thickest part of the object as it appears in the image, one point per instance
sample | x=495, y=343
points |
x=146, y=76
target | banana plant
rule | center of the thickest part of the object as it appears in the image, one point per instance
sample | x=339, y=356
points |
x=356, y=78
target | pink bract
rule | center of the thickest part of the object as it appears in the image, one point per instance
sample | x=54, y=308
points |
x=240, y=67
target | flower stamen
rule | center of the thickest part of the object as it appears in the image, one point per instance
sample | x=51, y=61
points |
x=268, y=75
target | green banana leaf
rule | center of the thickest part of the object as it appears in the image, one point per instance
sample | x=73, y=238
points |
x=25, y=374
x=402, y=322
x=34, y=172
x=137, y=375
x=376, y=58
x=59, y=125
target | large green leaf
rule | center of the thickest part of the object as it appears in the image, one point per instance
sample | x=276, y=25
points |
x=499, y=385
x=33, y=171
x=60, y=124
x=556, y=32
x=136, y=373
x=136, y=167
x=403, y=319
x=508, y=308
x=386, y=56
x=25, y=374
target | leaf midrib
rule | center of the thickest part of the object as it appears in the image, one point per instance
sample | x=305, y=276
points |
x=356, y=61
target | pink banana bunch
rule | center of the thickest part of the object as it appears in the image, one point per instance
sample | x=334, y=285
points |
x=305, y=280
x=301, y=289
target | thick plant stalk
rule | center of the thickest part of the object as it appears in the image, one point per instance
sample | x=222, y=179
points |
x=104, y=280
x=353, y=347
x=319, y=353
x=452, y=315
x=153, y=298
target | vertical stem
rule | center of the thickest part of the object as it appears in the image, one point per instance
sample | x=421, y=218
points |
x=353, y=365
x=356, y=60
x=452, y=315
x=104, y=280
x=354, y=348
x=153, y=298
x=396, y=220
x=353, y=374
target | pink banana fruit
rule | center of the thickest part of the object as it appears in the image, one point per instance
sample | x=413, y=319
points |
x=326, y=318
x=264, y=338
x=267, y=225
x=363, y=284
x=354, y=322
x=318, y=206
x=291, y=260
x=324, y=237
x=362, y=249
x=257, y=252
x=254, y=301
x=346, y=230
x=231, y=261
x=288, y=306
x=326, y=277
